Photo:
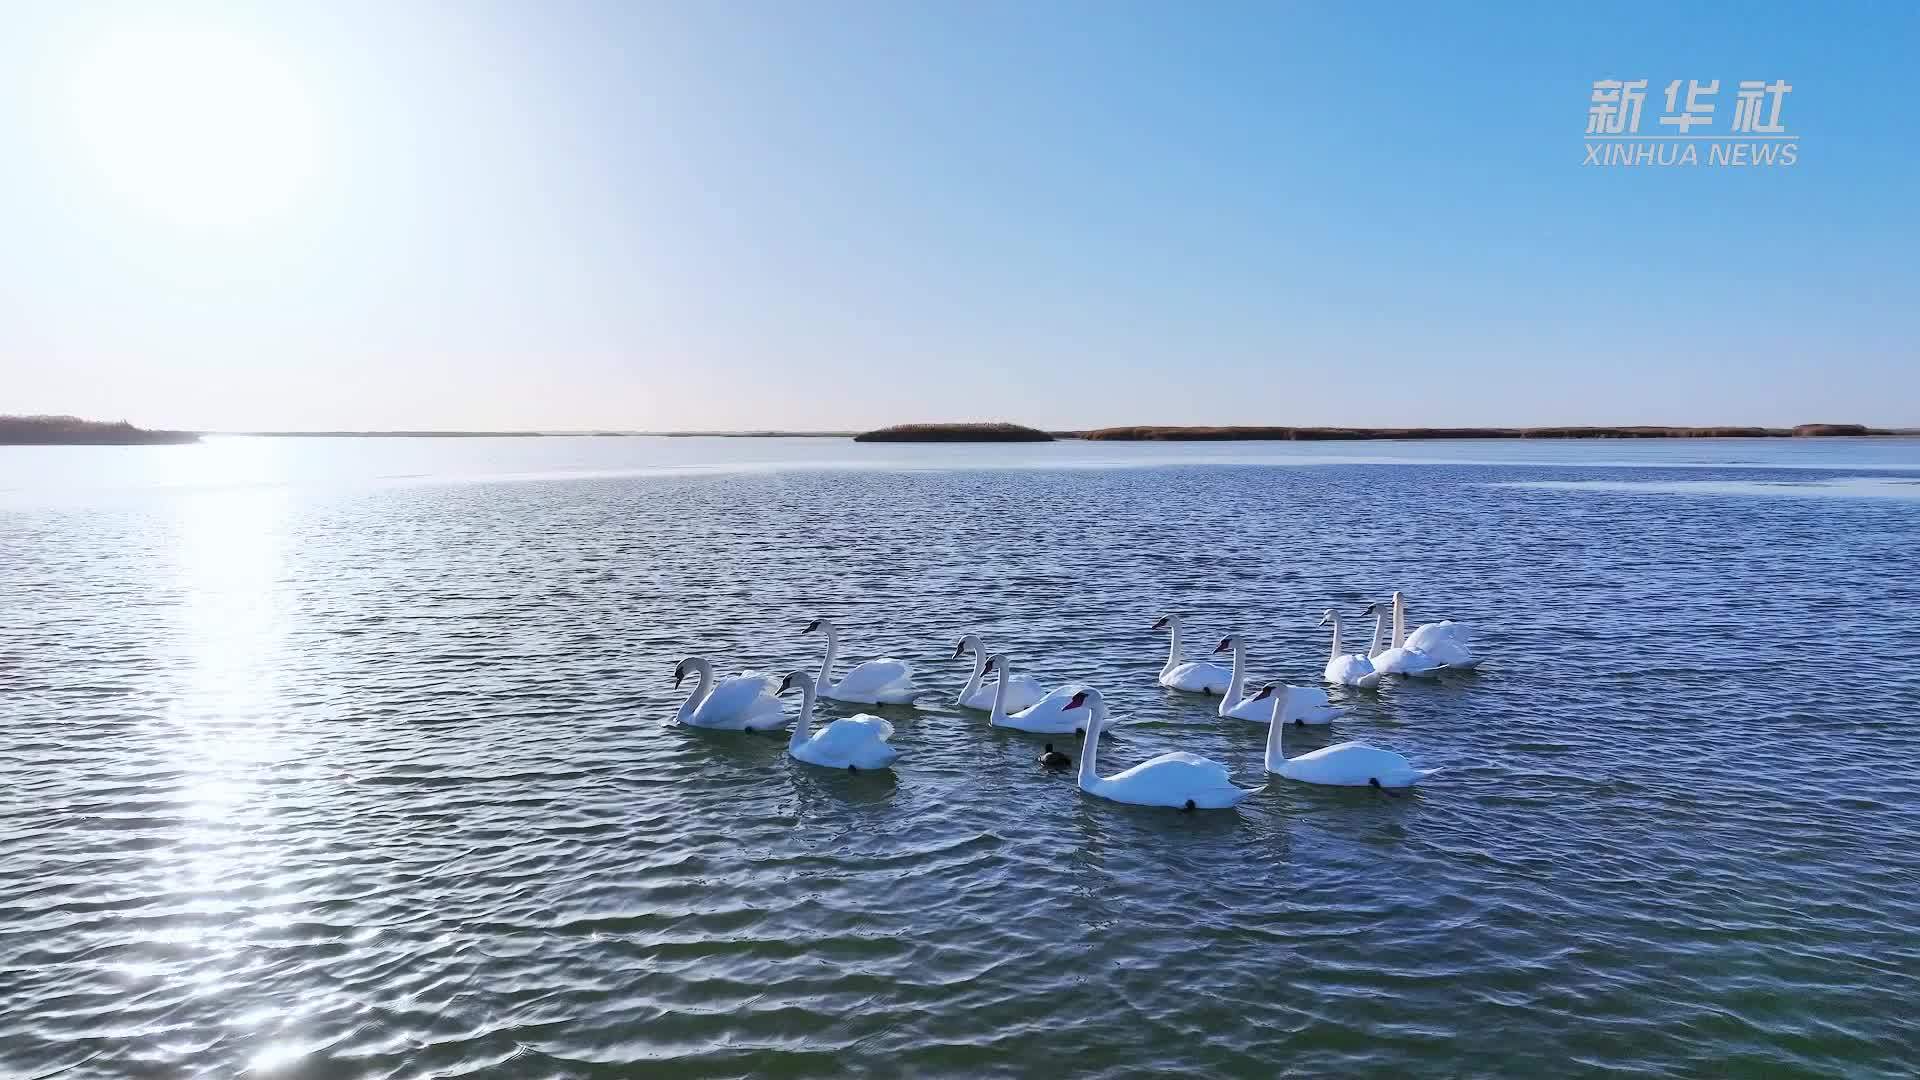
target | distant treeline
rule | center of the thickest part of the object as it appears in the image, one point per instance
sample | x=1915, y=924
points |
x=1309, y=434
x=955, y=433
x=73, y=431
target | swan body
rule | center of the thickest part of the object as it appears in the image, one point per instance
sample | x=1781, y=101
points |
x=871, y=682
x=1396, y=659
x=1193, y=676
x=1048, y=716
x=1347, y=669
x=1024, y=692
x=1445, y=644
x=1255, y=707
x=735, y=703
x=1180, y=780
x=1347, y=764
x=852, y=742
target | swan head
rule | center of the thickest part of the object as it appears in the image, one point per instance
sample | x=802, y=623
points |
x=1226, y=643
x=794, y=678
x=1331, y=616
x=1372, y=608
x=1165, y=621
x=814, y=625
x=994, y=663
x=679, y=674
x=1266, y=691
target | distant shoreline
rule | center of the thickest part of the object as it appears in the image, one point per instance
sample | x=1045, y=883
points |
x=1325, y=434
x=71, y=431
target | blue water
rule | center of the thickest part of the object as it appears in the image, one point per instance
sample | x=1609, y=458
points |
x=355, y=758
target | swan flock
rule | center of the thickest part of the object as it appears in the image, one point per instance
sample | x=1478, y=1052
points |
x=752, y=702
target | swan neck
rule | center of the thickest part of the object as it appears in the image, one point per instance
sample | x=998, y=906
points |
x=1282, y=715
x=1336, y=640
x=1379, y=632
x=1089, y=770
x=1399, y=622
x=979, y=667
x=1238, y=681
x=803, y=727
x=1002, y=677
x=702, y=686
x=826, y=662
x=1173, y=647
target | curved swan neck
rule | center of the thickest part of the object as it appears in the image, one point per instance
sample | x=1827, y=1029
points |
x=826, y=662
x=1379, y=631
x=973, y=644
x=1002, y=677
x=1399, y=621
x=1282, y=715
x=1238, y=682
x=803, y=727
x=702, y=686
x=1173, y=645
x=1336, y=639
x=1097, y=715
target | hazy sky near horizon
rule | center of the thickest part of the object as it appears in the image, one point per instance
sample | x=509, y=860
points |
x=833, y=215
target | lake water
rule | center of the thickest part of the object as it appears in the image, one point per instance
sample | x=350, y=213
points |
x=356, y=758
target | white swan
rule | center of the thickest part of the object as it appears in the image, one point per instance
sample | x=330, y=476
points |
x=735, y=703
x=1025, y=691
x=851, y=742
x=1347, y=764
x=1347, y=669
x=1445, y=642
x=871, y=682
x=1181, y=780
x=1048, y=716
x=1397, y=659
x=1255, y=707
x=1193, y=676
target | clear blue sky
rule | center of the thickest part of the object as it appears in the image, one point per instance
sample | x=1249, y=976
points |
x=832, y=215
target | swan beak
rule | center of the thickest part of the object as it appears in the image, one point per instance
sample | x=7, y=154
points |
x=1265, y=693
x=811, y=627
x=1225, y=645
x=786, y=684
x=678, y=675
x=1161, y=624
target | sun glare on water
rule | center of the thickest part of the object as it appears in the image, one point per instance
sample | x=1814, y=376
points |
x=200, y=127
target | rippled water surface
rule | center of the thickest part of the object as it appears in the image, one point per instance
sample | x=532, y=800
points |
x=356, y=758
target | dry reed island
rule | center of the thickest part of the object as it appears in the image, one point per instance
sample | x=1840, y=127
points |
x=1003, y=432
x=954, y=433
x=1136, y=434
x=73, y=431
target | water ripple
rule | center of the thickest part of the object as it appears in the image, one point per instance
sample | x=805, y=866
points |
x=380, y=780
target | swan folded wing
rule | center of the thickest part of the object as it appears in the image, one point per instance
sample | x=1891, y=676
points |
x=738, y=695
x=1177, y=771
x=844, y=738
x=1352, y=669
x=1427, y=637
x=1406, y=661
x=1198, y=675
x=1056, y=700
x=874, y=677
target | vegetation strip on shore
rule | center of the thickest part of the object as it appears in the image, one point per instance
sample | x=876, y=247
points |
x=73, y=431
x=1342, y=434
x=1000, y=432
